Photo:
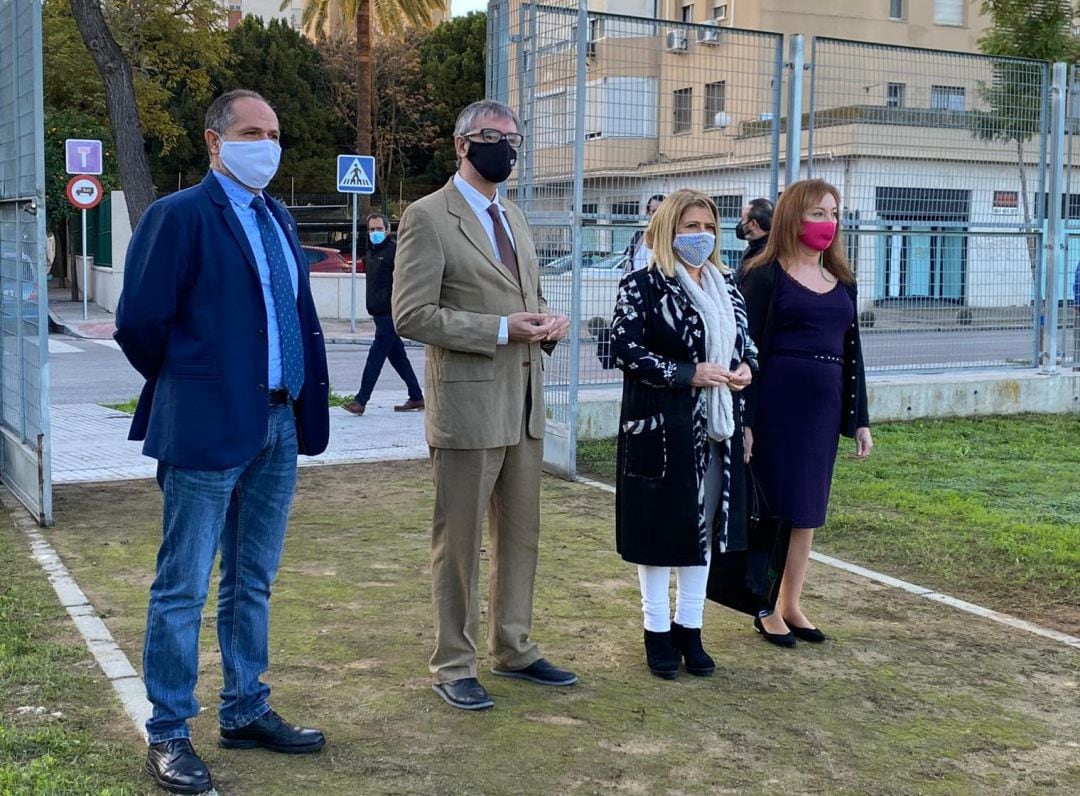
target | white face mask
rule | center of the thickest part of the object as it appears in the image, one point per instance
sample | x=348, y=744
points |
x=253, y=163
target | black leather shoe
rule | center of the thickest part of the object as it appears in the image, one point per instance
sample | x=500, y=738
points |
x=541, y=672
x=687, y=642
x=271, y=732
x=661, y=656
x=466, y=694
x=779, y=639
x=811, y=634
x=176, y=768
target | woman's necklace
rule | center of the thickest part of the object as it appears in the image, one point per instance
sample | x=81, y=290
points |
x=825, y=274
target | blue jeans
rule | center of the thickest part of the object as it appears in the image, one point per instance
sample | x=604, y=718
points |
x=243, y=511
x=387, y=345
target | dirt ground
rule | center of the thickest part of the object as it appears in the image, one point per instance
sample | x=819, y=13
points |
x=907, y=696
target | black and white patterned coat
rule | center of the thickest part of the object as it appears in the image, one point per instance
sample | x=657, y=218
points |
x=657, y=340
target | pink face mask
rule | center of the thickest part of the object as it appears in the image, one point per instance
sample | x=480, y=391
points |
x=818, y=235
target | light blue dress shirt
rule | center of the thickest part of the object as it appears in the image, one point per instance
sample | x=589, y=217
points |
x=479, y=204
x=240, y=200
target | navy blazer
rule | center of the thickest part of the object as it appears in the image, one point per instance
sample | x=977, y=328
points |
x=192, y=321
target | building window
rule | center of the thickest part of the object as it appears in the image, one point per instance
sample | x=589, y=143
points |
x=947, y=98
x=688, y=13
x=684, y=98
x=622, y=211
x=714, y=105
x=949, y=12
x=719, y=12
x=896, y=10
x=894, y=95
x=729, y=206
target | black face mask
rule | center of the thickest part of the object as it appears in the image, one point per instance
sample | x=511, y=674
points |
x=740, y=231
x=493, y=162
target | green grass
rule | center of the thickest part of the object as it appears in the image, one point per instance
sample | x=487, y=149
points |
x=909, y=697
x=336, y=399
x=61, y=730
x=987, y=509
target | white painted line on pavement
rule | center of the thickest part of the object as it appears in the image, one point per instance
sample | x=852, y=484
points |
x=918, y=591
x=57, y=347
x=107, y=343
x=110, y=658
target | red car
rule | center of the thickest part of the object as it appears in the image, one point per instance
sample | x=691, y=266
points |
x=323, y=260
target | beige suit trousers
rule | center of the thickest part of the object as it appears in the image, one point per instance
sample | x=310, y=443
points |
x=504, y=482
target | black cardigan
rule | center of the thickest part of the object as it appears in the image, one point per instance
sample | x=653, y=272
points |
x=759, y=289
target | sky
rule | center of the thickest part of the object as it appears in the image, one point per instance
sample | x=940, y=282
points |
x=459, y=8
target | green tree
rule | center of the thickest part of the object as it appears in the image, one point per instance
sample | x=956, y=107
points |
x=403, y=110
x=391, y=17
x=145, y=53
x=452, y=62
x=1022, y=29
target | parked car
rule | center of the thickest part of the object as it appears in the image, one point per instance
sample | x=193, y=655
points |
x=601, y=273
x=323, y=260
x=565, y=263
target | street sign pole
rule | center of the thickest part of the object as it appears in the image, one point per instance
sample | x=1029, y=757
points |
x=352, y=276
x=85, y=269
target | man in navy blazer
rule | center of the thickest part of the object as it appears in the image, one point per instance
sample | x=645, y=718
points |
x=217, y=315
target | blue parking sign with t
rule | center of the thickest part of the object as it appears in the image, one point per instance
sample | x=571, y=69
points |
x=356, y=174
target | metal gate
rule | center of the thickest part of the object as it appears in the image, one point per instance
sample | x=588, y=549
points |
x=24, y=343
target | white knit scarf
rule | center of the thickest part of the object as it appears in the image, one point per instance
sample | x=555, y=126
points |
x=713, y=303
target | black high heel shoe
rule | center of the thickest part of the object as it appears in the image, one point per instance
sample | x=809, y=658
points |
x=779, y=639
x=811, y=634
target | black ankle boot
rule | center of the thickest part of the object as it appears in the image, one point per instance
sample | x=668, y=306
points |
x=662, y=658
x=687, y=642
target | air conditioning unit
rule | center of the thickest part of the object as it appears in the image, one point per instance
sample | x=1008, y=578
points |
x=677, y=42
x=709, y=37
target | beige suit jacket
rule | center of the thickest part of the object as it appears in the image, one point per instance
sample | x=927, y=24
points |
x=450, y=291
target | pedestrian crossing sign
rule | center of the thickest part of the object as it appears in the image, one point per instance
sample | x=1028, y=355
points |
x=356, y=174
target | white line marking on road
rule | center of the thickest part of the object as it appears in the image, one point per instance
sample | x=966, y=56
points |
x=918, y=591
x=129, y=687
x=57, y=347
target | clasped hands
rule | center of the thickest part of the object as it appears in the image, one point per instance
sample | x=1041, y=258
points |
x=706, y=374
x=537, y=327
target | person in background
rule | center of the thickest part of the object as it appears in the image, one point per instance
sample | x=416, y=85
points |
x=679, y=334
x=468, y=286
x=379, y=274
x=802, y=304
x=637, y=253
x=217, y=315
x=753, y=227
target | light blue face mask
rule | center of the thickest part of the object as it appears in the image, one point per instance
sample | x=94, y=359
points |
x=377, y=237
x=694, y=248
x=253, y=163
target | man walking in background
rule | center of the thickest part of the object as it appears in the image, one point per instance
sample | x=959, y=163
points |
x=379, y=272
x=468, y=285
x=217, y=315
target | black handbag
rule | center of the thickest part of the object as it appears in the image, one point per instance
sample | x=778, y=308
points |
x=749, y=580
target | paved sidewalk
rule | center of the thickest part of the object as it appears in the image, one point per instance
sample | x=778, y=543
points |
x=67, y=316
x=90, y=442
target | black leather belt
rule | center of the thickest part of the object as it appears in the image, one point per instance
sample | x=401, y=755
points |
x=279, y=397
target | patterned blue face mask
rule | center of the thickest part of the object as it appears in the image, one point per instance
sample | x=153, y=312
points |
x=694, y=248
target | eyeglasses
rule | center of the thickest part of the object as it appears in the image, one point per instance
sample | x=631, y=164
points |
x=491, y=136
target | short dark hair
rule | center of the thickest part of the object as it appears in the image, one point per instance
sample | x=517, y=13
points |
x=760, y=211
x=656, y=197
x=219, y=116
x=376, y=214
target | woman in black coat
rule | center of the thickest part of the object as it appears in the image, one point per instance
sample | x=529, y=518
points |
x=802, y=304
x=679, y=334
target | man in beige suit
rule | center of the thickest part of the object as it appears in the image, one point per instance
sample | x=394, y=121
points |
x=467, y=284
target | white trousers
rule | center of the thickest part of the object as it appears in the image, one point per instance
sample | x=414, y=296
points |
x=690, y=582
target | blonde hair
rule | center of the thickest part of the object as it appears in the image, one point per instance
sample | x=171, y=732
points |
x=664, y=226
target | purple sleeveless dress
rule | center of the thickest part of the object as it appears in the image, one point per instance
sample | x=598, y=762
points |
x=797, y=427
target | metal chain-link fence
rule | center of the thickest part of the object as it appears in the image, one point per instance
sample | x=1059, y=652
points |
x=944, y=161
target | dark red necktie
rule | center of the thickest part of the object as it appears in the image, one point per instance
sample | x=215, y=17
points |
x=507, y=256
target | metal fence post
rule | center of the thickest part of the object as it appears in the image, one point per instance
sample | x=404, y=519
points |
x=777, y=112
x=795, y=106
x=1055, y=238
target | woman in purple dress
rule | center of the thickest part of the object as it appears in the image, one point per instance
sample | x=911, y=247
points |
x=802, y=308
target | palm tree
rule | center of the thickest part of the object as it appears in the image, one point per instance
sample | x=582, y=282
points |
x=391, y=17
